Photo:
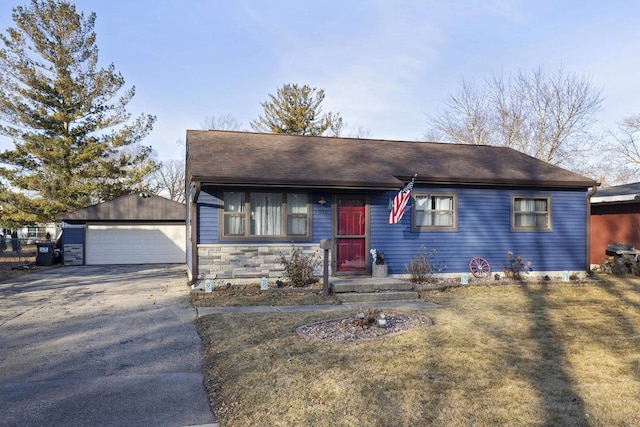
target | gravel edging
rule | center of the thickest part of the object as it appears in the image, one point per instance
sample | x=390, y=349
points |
x=344, y=329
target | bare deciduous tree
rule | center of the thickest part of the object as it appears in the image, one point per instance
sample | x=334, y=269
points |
x=222, y=122
x=626, y=144
x=359, y=132
x=627, y=139
x=548, y=116
x=466, y=118
x=168, y=180
x=341, y=128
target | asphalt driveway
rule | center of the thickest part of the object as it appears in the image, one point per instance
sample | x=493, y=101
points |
x=109, y=346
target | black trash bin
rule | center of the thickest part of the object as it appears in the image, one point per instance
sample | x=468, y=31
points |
x=45, y=253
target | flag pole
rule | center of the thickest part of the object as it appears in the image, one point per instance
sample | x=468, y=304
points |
x=399, y=202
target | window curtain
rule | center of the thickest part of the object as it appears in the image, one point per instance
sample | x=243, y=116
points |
x=297, y=214
x=266, y=214
x=531, y=212
x=444, y=208
x=423, y=218
x=234, y=213
x=434, y=211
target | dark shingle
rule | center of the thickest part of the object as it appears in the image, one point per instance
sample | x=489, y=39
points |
x=620, y=190
x=244, y=158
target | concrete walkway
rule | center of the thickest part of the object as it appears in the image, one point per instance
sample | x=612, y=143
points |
x=101, y=346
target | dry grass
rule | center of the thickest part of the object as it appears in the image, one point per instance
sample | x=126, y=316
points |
x=14, y=265
x=530, y=354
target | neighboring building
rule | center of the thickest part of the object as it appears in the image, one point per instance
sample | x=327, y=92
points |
x=140, y=228
x=252, y=197
x=36, y=233
x=615, y=218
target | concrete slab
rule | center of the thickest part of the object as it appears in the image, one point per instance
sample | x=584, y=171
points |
x=108, y=345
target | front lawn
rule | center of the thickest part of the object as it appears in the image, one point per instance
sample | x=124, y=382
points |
x=529, y=354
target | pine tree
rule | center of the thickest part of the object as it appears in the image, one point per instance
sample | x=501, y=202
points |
x=296, y=110
x=75, y=143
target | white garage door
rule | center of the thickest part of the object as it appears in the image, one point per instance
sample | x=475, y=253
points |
x=135, y=244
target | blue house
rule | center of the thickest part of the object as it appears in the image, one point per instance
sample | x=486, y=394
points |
x=252, y=197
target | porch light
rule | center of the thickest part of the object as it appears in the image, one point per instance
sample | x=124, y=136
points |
x=322, y=201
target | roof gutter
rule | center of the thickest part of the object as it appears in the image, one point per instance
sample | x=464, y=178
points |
x=618, y=198
x=591, y=193
x=192, y=205
x=384, y=186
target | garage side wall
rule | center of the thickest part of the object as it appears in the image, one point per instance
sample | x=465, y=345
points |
x=614, y=223
x=73, y=241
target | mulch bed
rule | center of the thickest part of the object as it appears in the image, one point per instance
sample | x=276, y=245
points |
x=346, y=329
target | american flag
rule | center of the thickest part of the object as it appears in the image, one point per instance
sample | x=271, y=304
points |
x=399, y=203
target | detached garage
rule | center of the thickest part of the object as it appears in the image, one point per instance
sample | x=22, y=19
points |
x=140, y=228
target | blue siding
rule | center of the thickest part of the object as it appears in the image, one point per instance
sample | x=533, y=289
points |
x=320, y=218
x=208, y=213
x=73, y=236
x=484, y=229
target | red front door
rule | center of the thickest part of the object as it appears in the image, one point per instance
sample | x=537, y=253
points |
x=351, y=235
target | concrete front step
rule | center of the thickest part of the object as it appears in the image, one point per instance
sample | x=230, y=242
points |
x=376, y=296
x=370, y=285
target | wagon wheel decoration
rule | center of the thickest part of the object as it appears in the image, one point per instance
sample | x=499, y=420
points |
x=479, y=267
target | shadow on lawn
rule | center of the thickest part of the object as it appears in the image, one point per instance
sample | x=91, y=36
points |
x=617, y=311
x=562, y=404
x=381, y=390
x=631, y=284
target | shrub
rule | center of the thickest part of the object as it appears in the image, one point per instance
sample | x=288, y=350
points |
x=422, y=266
x=367, y=317
x=517, y=265
x=299, y=268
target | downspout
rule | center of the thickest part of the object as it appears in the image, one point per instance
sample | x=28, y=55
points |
x=591, y=193
x=193, y=205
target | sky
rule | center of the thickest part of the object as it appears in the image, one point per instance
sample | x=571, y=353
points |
x=384, y=65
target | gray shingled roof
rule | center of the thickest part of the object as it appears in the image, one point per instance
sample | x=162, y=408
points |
x=133, y=207
x=620, y=190
x=618, y=194
x=244, y=158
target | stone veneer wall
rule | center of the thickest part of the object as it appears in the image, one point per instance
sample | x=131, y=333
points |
x=248, y=261
x=73, y=254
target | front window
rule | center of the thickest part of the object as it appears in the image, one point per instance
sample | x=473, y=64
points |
x=234, y=214
x=531, y=213
x=271, y=215
x=435, y=211
x=296, y=214
x=266, y=214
